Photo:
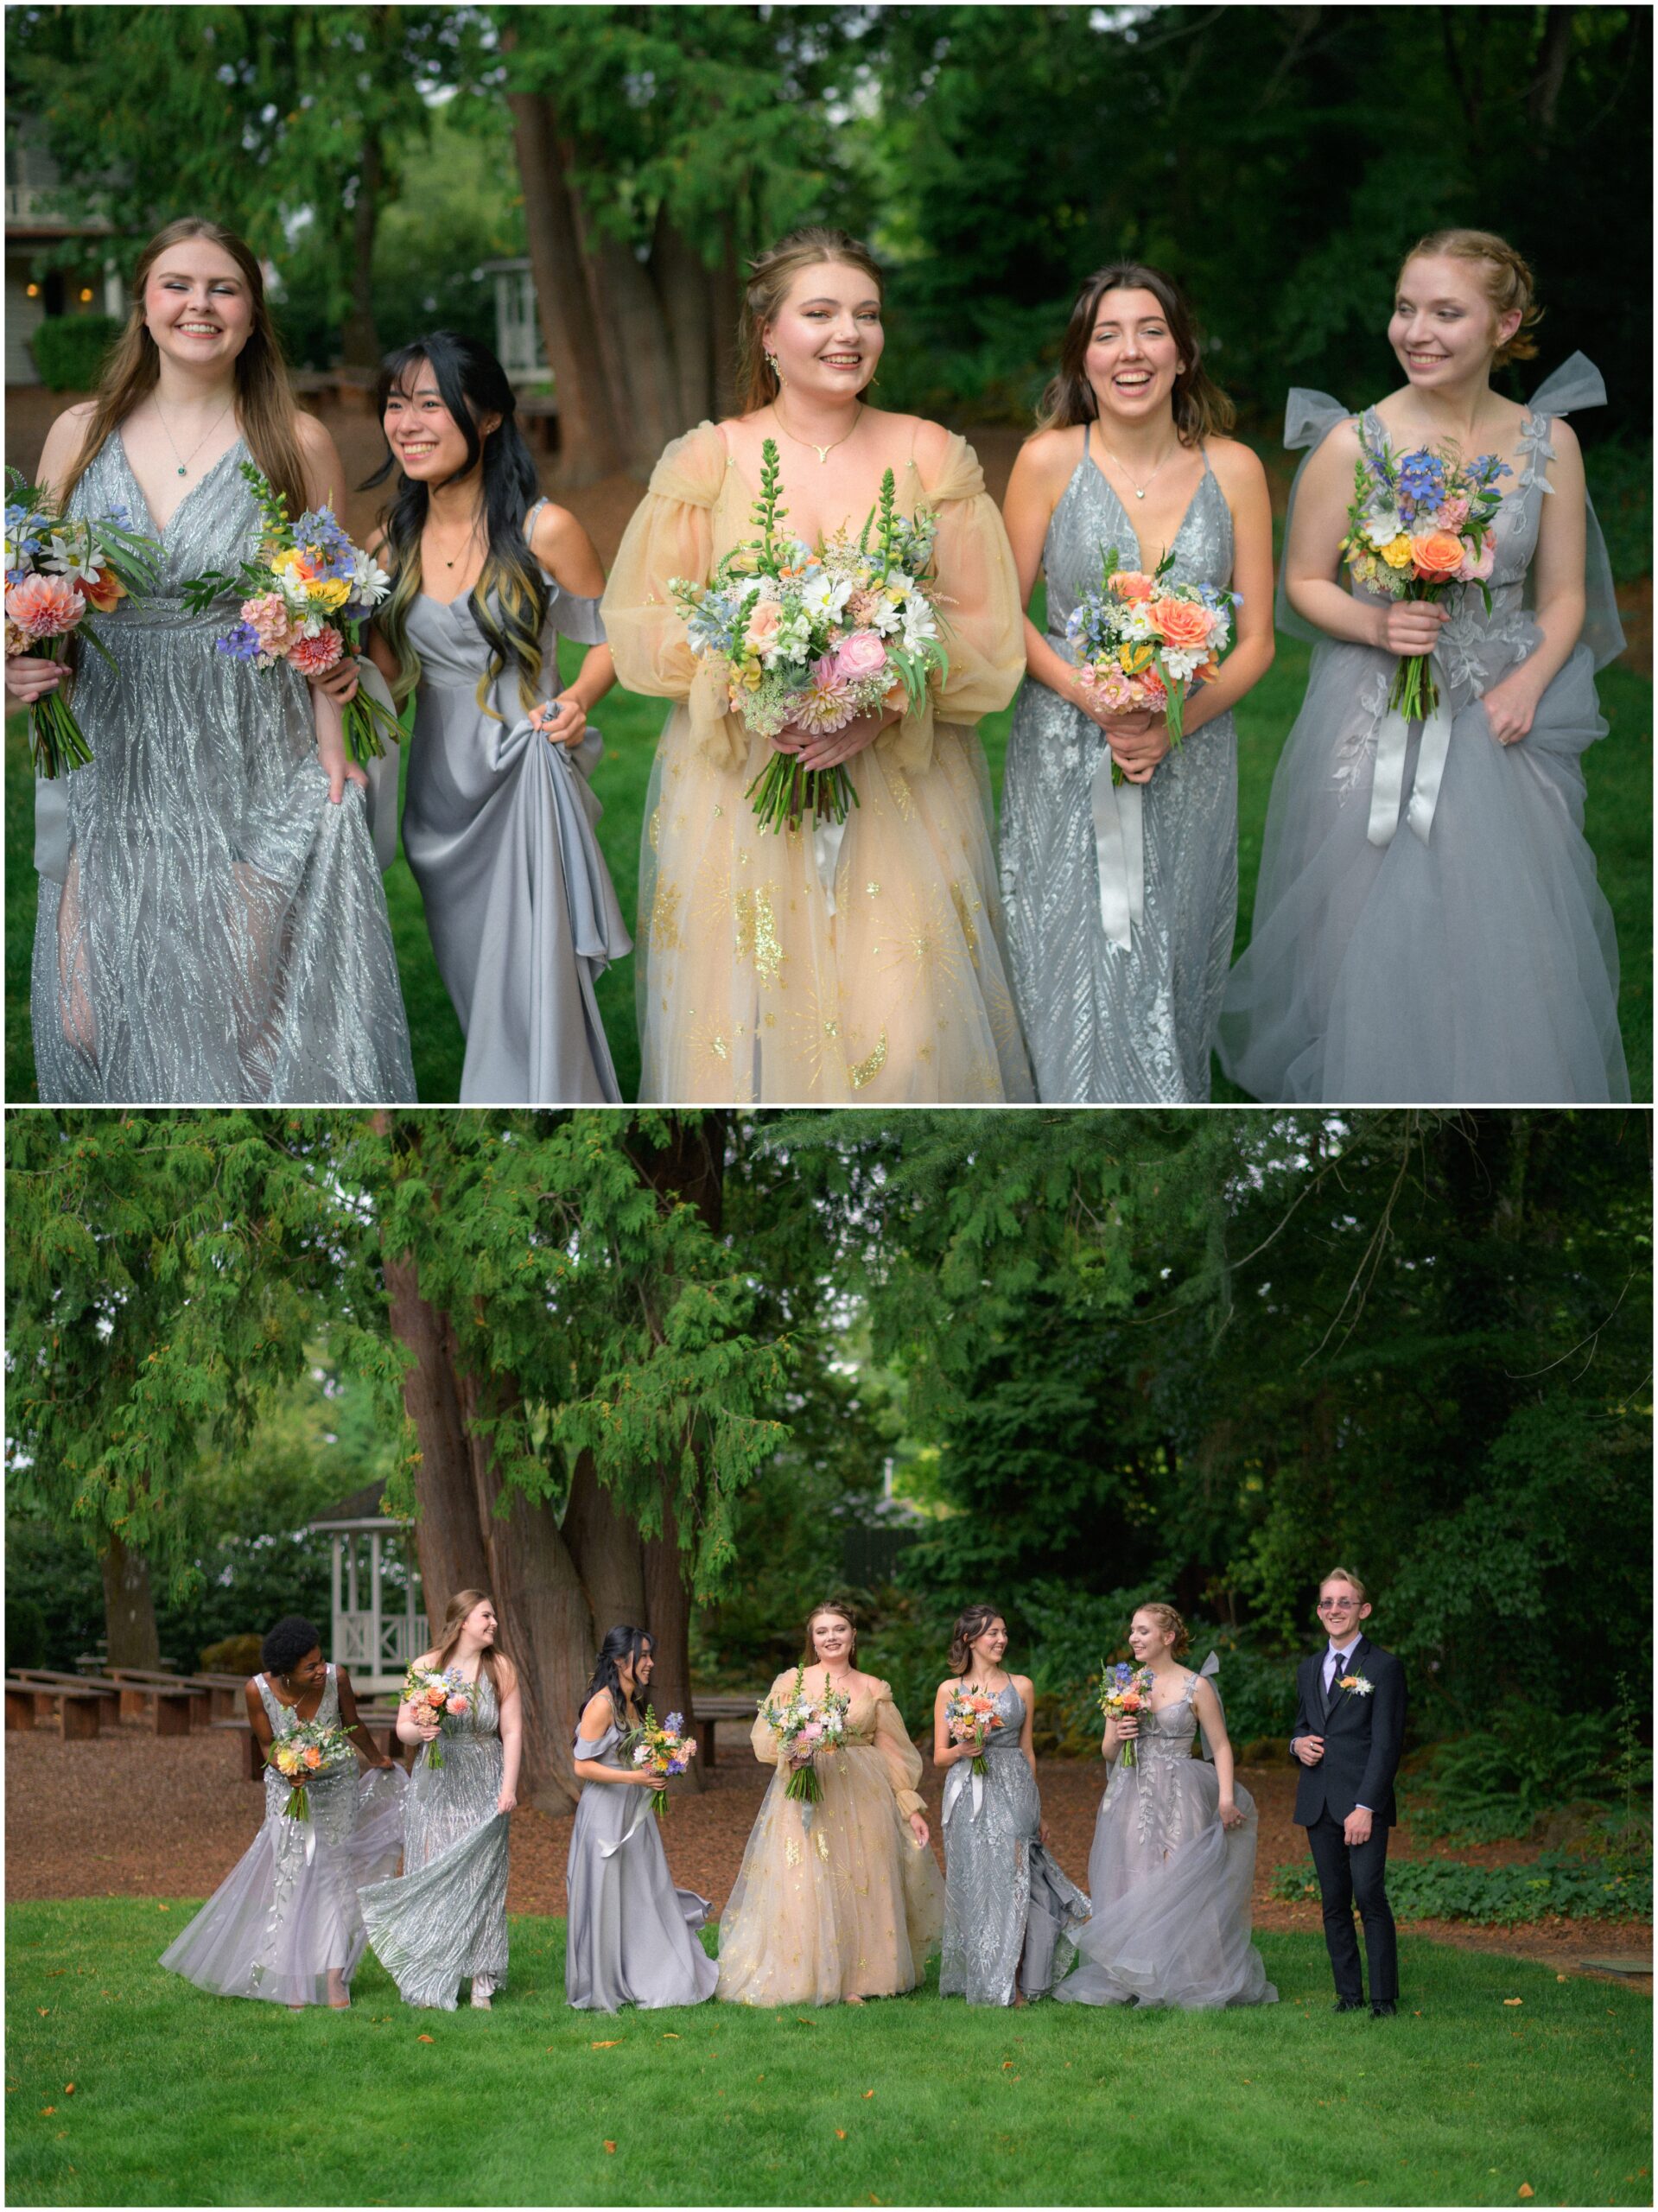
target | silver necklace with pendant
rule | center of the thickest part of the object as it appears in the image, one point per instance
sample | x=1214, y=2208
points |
x=184, y=464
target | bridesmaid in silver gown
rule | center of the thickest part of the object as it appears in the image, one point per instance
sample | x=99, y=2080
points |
x=284, y=1923
x=1171, y=1872
x=210, y=927
x=446, y=1917
x=499, y=815
x=630, y=1935
x=1009, y=1908
x=1121, y=899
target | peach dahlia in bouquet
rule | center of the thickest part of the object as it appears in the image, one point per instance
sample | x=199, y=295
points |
x=303, y=1754
x=805, y=1726
x=1142, y=641
x=435, y=1695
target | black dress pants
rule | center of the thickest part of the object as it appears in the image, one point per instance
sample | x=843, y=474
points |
x=1350, y=1874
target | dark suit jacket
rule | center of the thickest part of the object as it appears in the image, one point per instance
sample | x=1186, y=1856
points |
x=1363, y=1737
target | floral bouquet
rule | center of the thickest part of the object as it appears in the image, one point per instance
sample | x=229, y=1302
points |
x=57, y=567
x=1419, y=524
x=812, y=639
x=1125, y=1693
x=665, y=1750
x=304, y=1752
x=436, y=1695
x=305, y=594
x=969, y=1718
x=1142, y=641
x=805, y=1724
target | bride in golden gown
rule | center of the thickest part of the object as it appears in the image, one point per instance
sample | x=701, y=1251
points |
x=804, y=965
x=847, y=1903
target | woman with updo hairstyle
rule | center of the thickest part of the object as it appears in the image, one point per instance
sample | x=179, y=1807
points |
x=211, y=928
x=1171, y=1877
x=284, y=1925
x=1427, y=924
x=1009, y=1908
x=1119, y=855
x=820, y=963
x=838, y=1900
x=630, y=1935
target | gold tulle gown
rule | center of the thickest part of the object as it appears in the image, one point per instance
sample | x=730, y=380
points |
x=756, y=981
x=844, y=1902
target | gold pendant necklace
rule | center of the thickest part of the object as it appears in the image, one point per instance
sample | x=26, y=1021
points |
x=822, y=452
x=1140, y=490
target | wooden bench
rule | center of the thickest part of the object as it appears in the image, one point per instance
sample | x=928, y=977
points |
x=380, y=1721
x=169, y=1701
x=214, y=1697
x=77, y=1712
x=708, y=1711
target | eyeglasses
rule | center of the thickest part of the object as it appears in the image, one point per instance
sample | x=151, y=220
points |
x=1338, y=1604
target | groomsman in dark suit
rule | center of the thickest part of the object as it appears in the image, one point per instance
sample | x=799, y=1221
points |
x=1350, y=1730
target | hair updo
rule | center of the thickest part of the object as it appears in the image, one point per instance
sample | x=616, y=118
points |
x=287, y=1643
x=1505, y=276
x=970, y=1624
x=1171, y=1623
x=770, y=276
x=842, y=1610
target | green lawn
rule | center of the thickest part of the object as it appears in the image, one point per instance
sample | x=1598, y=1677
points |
x=1619, y=830
x=183, y=2098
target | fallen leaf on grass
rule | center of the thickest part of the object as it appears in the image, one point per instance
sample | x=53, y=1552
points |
x=609, y=2145
x=609, y=2045
x=867, y=2094
x=840, y=2135
x=1525, y=2189
x=47, y=2110
x=1560, y=1977
x=1514, y=2000
x=801, y=2021
x=422, y=2038
x=163, y=1908
x=669, y=2035
x=68, y=2089
x=43, y=2010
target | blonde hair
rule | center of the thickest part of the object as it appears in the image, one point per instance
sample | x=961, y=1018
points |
x=1507, y=280
x=1171, y=1623
x=770, y=276
x=455, y=1619
x=1345, y=1575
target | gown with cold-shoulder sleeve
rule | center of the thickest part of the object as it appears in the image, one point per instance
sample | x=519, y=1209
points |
x=498, y=826
x=211, y=930
x=773, y=966
x=630, y=1934
x=287, y=1913
x=1468, y=957
x=836, y=1899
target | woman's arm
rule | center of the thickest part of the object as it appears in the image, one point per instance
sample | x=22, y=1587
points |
x=511, y=1708
x=567, y=553
x=1220, y=1744
x=595, y=1720
x=416, y=1725
x=944, y=1752
x=258, y=1718
x=1312, y=562
x=1027, y=1726
x=1557, y=588
x=325, y=481
x=1034, y=490
x=353, y=1727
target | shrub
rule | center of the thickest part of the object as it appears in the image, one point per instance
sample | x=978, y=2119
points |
x=1558, y=1885
x=26, y=1634
x=231, y=1655
x=1499, y=1783
x=69, y=349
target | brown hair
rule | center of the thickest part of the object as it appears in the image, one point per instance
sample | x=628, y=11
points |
x=1201, y=409
x=770, y=276
x=1507, y=282
x=970, y=1622
x=843, y=1612
x=264, y=404
x=1170, y=1622
x=454, y=1619
x=1345, y=1575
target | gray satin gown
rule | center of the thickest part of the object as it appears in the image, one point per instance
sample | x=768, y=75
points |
x=630, y=1937
x=445, y=1918
x=498, y=826
x=209, y=929
x=1009, y=1908
x=1105, y=1022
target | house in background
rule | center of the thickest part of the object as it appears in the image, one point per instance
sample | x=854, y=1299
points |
x=56, y=264
x=378, y=1624
x=517, y=331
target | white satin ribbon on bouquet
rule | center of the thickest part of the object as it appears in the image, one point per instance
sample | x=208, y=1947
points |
x=1119, y=851
x=960, y=1778
x=826, y=851
x=1387, y=781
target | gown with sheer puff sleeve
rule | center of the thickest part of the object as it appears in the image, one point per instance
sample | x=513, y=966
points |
x=756, y=981
x=842, y=1901
x=1478, y=965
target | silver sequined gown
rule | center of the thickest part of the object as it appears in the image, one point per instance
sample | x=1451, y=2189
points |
x=210, y=929
x=279, y=1921
x=446, y=1917
x=1170, y=1887
x=1008, y=1909
x=1104, y=1023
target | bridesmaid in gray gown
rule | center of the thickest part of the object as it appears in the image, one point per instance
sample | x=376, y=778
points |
x=630, y=1935
x=1121, y=898
x=499, y=815
x=210, y=927
x=1008, y=1909
x=445, y=1918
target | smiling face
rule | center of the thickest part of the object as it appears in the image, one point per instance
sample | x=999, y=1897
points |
x=832, y=1638
x=429, y=444
x=1132, y=360
x=198, y=306
x=827, y=335
x=308, y=1672
x=990, y=1645
x=479, y=1625
x=1148, y=1639
x=1444, y=328
x=1341, y=1612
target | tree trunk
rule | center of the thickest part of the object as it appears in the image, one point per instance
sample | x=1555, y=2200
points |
x=1544, y=100
x=605, y=1548
x=452, y=1551
x=129, y=1610
x=639, y=356
x=728, y=292
x=360, y=346
x=686, y=289
x=668, y=1615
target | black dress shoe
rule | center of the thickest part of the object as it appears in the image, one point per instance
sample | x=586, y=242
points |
x=1348, y=2004
x=1382, y=2008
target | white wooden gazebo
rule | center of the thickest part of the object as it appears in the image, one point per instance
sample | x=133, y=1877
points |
x=378, y=1628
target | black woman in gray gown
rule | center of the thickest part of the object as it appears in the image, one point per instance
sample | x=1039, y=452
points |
x=499, y=815
x=1121, y=896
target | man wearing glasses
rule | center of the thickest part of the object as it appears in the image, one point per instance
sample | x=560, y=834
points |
x=1349, y=1731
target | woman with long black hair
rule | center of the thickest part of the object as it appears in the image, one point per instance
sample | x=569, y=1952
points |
x=631, y=1936
x=498, y=817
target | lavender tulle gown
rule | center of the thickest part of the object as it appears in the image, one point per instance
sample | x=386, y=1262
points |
x=1170, y=1886
x=286, y=1912
x=630, y=1936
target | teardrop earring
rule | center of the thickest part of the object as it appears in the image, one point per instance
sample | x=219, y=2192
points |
x=772, y=363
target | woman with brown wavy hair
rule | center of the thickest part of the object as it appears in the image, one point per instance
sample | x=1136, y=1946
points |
x=819, y=964
x=211, y=927
x=1121, y=898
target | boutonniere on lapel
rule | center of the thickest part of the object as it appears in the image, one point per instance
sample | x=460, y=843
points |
x=1359, y=1684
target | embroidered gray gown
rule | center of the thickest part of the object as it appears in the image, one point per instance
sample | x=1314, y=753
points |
x=1009, y=1908
x=1476, y=965
x=630, y=1934
x=1118, y=1007
x=497, y=828
x=286, y=1912
x=446, y=1917
x=209, y=929
x=1170, y=1888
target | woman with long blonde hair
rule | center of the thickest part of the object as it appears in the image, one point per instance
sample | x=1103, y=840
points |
x=210, y=927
